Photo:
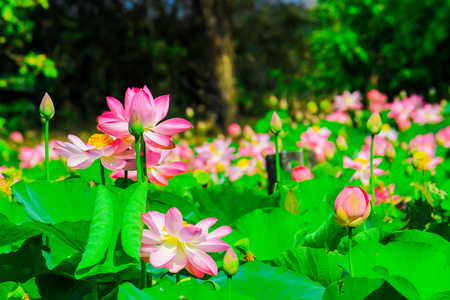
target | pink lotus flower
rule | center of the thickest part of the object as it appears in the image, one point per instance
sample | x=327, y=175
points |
x=338, y=117
x=443, y=137
x=402, y=110
x=362, y=167
x=211, y=154
x=31, y=157
x=352, y=207
x=182, y=152
x=243, y=167
x=425, y=143
x=388, y=133
x=258, y=146
x=316, y=139
x=428, y=114
x=234, y=130
x=174, y=244
x=16, y=137
x=348, y=101
x=112, y=153
x=152, y=111
x=382, y=195
x=379, y=145
x=301, y=173
x=377, y=100
x=159, y=171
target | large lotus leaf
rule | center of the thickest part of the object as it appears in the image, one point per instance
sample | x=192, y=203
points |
x=270, y=231
x=62, y=258
x=58, y=170
x=117, y=212
x=415, y=235
x=18, y=291
x=69, y=200
x=12, y=209
x=317, y=264
x=260, y=281
x=416, y=269
x=229, y=203
x=326, y=236
x=128, y=291
x=11, y=233
x=372, y=234
x=355, y=288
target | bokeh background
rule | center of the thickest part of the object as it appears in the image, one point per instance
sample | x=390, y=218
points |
x=228, y=60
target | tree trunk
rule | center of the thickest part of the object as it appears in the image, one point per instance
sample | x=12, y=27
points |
x=217, y=19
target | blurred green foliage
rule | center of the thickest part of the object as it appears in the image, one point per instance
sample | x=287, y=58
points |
x=389, y=45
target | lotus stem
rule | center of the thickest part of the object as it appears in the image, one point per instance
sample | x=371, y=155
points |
x=144, y=158
x=138, y=161
x=277, y=159
x=350, y=236
x=229, y=287
x=47, y=161
x=125, y=184
x=94, y=286
x=372, y=177
x=177, y=276
x=102, y=173
x=143, y=275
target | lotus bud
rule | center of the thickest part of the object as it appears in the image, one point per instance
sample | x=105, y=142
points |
x=190, y=112
x=301, y=173
x=312, y=107
x=374, y=123
x=135, y=126
x=201, y=126
x=248, y=132
x=234, y=130
x=390, y=153
x=230, y=262
x=352, y=207
x=284, y=105
x=299, y=116
x=325, y=105
x=403, y=94
x=330, y=152
x=275, y=124
x=47, y=109
x=341, y=143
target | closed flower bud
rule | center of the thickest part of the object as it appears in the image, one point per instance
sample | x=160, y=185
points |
x=230, y=262
x=390, y=153
x=341, y=143
x=301, y=173
x=352, y=207
x=47, y=109
x=135, y=125
x=234, y=130
x=190, y=112
x=248, y=132
x=275, y=124
x=374, y=123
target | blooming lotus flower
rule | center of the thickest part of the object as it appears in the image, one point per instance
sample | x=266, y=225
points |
x=339, y=117
x=377, y=100
x=174, y=244
x=30, y=157
x=209, y=155
x=301, y=173
x=152, y=111
x=388, y=133
x=379, y=145
x=428, y=114
x=112, y=153
x=443, y=137
x=316, y=139
x=362, y=167
x=243, y=167
x=382, y=195
x=425, y=143
x=348, y=101
x=182, y=152
x=352, y=207
x=258, y=146
x=402, y=110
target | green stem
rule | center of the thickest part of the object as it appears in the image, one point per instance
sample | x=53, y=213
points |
x=177, y=276
x=143, y=275
x=102, y=173
x=144, y=158
x=277, y=159
x=150, y=280
x=305, y=157
x=372, y=177
x=125, y=184
x=350, y=236
x=138, y=161
x=94, y=287
x=229, y=289
x=424, y=181
x=416, y=179
x=47, y=161
x=119, y=279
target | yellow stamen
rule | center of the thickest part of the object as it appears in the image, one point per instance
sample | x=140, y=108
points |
x=100, y=140
x=315, y=128
x=362, y=160
x=220, y=168
x=243, y=163
x=249, y=256
x=385, y=126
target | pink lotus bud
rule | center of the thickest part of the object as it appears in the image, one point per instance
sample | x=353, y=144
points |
x=284, y=105
x=190, y=112
x=135, y=125
x=47, y=109
x=352, y=207
x=16, y=137
x=390, y=153
x=374, y=123
x=248, y=132
x=234, y=130
x=275, y=124
x=230, y=262
x=301, y=173
x=341, y=143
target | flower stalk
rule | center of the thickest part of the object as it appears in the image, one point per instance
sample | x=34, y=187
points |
x=372, y=176
x=94, y=286
x=350, y=237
